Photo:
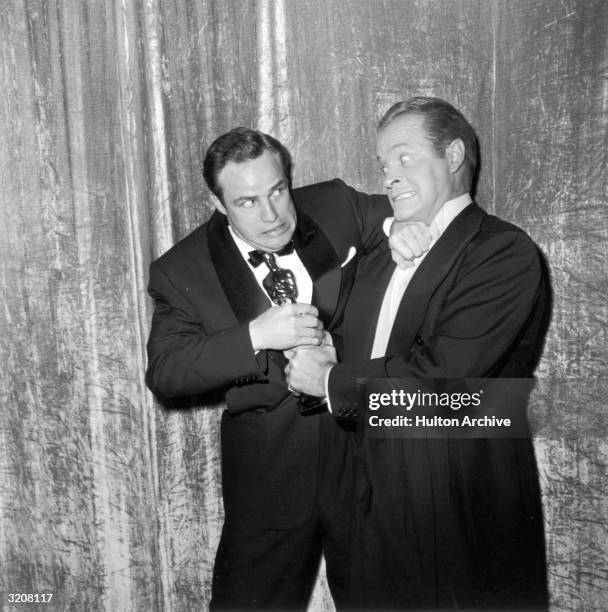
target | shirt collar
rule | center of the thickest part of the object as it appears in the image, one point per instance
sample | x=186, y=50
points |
x=241, y=245
x=447, y=213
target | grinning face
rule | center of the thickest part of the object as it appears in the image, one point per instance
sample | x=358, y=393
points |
x=257, y=202
x=417, y=180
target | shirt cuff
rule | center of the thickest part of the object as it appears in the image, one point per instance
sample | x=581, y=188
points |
x=326, y=385
x=386, y=225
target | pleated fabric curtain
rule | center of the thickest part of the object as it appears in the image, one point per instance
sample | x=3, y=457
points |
x=109, y=501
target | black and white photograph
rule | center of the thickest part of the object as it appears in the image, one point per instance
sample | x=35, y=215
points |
x=304, y=305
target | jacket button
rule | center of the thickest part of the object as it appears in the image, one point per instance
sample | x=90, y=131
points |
x=419, y=340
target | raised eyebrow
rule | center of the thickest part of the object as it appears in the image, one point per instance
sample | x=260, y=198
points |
x=281, y=183
x=401, y=145
x=245, y=199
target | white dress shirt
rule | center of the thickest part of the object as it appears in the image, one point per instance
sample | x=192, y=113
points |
x=402, y=277
x=291, y=262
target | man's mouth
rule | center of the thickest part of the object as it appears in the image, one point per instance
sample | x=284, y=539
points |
x=404, y=196
x=277, y=231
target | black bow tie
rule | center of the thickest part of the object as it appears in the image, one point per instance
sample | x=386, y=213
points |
x=257, y=257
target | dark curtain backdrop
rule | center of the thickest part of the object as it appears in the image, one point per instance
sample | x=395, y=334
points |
x=108, y=501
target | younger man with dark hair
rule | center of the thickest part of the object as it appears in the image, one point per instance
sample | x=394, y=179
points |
x=285, y=475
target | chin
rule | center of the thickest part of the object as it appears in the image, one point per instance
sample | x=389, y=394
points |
x=278, y=243
x=411, y=214
x=275, y=246
x=405, y=217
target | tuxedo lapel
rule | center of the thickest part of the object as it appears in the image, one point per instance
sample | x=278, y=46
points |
x=365, y=302
x=430, y=274
x=322, y=263
x=243, y=293
x=238, y=282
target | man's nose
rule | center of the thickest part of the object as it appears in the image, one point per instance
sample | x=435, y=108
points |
x=269, y=213
x=390, y=180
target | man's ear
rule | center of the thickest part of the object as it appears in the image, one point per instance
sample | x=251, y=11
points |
x=218, y=204
x=455, y=154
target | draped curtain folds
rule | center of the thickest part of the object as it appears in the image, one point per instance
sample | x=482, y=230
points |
x=109, y=501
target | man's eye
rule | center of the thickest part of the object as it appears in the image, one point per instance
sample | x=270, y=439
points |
x=404, y=159
x=383, y=169
x=278, y=191
x=247, y=203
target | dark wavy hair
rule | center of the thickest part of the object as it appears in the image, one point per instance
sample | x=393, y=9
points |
x=239, y=145
x=443, y=124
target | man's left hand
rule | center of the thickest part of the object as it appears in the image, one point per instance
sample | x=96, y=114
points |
x=308, y=368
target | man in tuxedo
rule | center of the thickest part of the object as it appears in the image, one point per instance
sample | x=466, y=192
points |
x=216, y=332
x=440, y=523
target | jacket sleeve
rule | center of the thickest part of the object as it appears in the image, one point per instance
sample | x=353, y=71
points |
x=183, y=358
x=482, y=318
x=369, y=212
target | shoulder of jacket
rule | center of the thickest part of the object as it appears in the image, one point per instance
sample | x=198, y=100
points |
x=314, y=190
x=186, y=248
x=498, y=233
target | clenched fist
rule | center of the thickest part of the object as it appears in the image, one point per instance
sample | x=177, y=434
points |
x=308, y=368
x=408, y=240
x=285, y=327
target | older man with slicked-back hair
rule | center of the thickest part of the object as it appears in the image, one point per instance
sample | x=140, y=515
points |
x=442, y=524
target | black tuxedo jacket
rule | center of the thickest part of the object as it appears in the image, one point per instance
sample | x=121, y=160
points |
x=205, y=296
x=456, y=522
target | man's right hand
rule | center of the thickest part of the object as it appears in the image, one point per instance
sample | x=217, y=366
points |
x=408, y=240
x=287, y=326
